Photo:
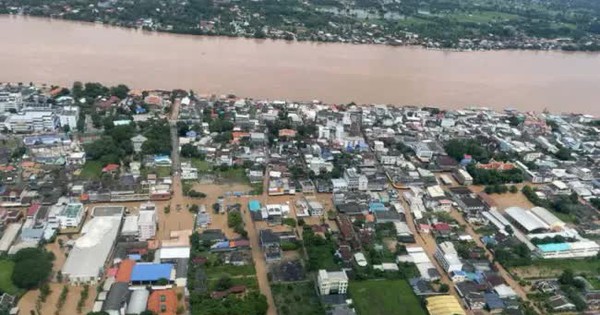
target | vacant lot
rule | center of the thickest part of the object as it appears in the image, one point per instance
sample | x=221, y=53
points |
x=384, y=297
x=544, y=268
x=298, y=298
x=6, y=271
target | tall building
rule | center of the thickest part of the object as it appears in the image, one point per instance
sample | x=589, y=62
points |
x=147, y=221
x=332, y=282
x=447, y=256
x=32, y=121
x=10, y=101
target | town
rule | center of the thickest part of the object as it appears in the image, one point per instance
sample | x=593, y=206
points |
x=122, y=201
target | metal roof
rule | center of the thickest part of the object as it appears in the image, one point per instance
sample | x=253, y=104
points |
x=526, y=219
x=151, y=272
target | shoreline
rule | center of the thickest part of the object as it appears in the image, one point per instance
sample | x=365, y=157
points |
x=275, y=39
x=204, y=94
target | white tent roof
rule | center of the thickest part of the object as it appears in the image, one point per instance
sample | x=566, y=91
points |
x=526, y=219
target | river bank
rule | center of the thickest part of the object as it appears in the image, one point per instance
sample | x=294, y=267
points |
x=60, y=52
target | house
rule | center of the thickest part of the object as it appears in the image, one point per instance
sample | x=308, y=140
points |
x=559, y=303
x=355, y=180
x=332, y=282
x=463, y=177
x=270, y=244
x=137, y=142
x=163, y=302
x=447, y=256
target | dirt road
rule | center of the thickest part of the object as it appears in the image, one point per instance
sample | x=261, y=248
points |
x=428, y=243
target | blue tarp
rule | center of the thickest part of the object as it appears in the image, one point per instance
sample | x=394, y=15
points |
x=151, y=272
x=377, y=206
x=135, y=257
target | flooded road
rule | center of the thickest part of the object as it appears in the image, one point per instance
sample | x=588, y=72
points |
x=60, y=52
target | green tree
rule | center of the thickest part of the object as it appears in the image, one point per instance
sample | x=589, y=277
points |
x=120, y=91
x=32, y=267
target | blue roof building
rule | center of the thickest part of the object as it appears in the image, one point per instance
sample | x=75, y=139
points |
x=149, y=272
x=377, y=206
x=254, y=205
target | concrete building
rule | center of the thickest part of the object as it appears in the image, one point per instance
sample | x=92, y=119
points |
x=10, y=101
x=463, y=177
x=71, y=216
x=447, y=256
x=32, y=121
x=355, y=180
x=332, y=282
x=69, y=116
x=147, y=221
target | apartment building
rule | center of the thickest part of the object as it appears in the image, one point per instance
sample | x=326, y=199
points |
x=332, y=282
x=447, y=256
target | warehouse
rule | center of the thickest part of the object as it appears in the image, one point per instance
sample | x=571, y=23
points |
x=526, y=220
x=148, y=273
x=87, y=258
x=548, y=218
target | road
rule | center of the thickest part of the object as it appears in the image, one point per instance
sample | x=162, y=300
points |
x=501, y=270
x=260, y=264
x=428, y=243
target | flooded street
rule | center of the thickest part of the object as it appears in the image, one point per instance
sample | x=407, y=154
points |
x=60, y=52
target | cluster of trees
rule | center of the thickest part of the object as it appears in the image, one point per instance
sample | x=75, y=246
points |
x=235, y=221
x=500, y=189
x=158, y=133
x=457, y=148
x=563, y=204
x=320, y=250
x=554, y=239
x=571, y=287
x=253, y=303
x=494, y=177
x=595, y=202
x=32, y=267
x=113, y=146
x=513, y=256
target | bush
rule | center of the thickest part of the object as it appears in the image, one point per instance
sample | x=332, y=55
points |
x=287, y=245
x=196, y=194
x=289, y=221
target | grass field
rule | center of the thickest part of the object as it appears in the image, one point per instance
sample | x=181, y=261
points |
x=91, y=170
x=6, y=270
x=298, y=298
x=236, y=175
x=202, y=166
x=543, y=268
x=385, y=297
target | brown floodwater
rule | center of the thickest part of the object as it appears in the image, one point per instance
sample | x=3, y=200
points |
x=60, y=52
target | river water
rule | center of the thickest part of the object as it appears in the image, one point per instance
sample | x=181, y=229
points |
x=60, y=52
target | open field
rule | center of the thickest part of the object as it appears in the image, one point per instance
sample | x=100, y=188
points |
x=6, y=270
x=298, y=298
x=544, y=268
x=384, y=297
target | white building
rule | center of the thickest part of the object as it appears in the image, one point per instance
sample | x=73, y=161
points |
x=10, y=101
x=70, y=216
x=332, y=282
x=69, y=116
x=447, y=256
x=339, y=185
x=356, y=181
x=88, y=257
x=32, y=121
x=147, y=221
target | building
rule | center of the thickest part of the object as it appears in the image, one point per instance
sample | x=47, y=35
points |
x=447, y=256
x=137, y=301
x=10, y=101
x=526, y=220
x=463, y=177
x=580, y=249
x=151, y=273
x=163, y=302
x=332, y=282
x=355, y=180
x=137, y=142
x=71, y=216
x=443, y=305
x=32, y=121
x=68, y=116
x=147, y=221
x=86, y=260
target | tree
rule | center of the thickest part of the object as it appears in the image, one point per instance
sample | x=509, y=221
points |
x=289, y=221
x=194, y=208
x=223, y=283
x=147, y=312
x=567, y=277
x=120, y=91
x=444, y=288
x=188, y=150
x=513, y=189
x=66, y=128
x=32, y=267
x=234, y=218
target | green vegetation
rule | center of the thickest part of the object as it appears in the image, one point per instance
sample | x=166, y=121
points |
x=6, y=272
x=32, y=267
x=457, y=149
x=512, y=256
x=298, y=298
x=234, y=220
x=486, y=24
x=564, y=207
x=384, y=297
x=201, y=165
x=320, y=251
x=494, y=177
